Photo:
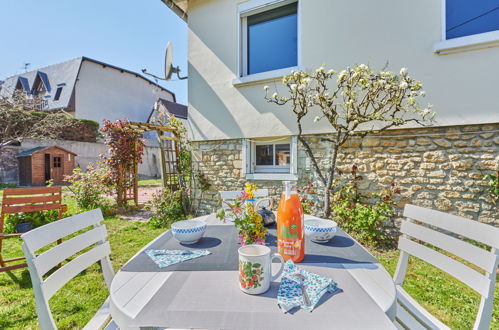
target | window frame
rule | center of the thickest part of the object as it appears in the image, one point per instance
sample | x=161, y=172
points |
x=269, y=172
x=253, y=7
x=57, y=162
x=58, y=93
x=270, y=168
x=462, y=44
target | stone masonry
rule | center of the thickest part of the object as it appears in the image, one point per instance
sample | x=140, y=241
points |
x=440, y=168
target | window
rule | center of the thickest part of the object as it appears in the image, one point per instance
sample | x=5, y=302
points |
x=58, y=93
x=271, y=159
x=269, y=38
x=465, y=17
x=57, y=162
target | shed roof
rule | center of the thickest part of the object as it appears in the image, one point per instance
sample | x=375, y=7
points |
x=30, y=152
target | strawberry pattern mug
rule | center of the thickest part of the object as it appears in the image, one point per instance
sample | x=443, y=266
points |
x=255, y=268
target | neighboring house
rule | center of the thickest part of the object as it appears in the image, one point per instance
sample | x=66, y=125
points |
x=162, y=106
x=237, y=47
x=90, y=89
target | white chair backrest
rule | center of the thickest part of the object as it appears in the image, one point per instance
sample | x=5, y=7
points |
x=443, y=231
x=39, y=265
x=230, y=195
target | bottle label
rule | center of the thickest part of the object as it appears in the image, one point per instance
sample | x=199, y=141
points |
x=290, y=248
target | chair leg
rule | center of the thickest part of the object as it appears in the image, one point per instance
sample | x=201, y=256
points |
x=8, y=268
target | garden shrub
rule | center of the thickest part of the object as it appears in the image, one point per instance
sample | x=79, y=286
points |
x=38, y=218
x=167, y=208
x=493, y=186
x=368, y=218
x=89, y=186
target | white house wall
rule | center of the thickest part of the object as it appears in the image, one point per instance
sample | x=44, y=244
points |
x=463, y=87
x=103, y=93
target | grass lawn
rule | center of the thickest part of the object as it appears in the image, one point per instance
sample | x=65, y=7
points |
x=150, y=182
x=78, y=300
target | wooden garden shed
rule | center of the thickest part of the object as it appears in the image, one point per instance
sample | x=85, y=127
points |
x=40, y=164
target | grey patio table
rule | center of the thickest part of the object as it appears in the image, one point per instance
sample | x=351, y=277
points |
x=204, y=292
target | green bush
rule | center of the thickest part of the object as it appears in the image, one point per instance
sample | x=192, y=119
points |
x=89, y=186
x=7, y=185
x=493, y=183
x=167, y=206
x=368, y=218
x=38, y=218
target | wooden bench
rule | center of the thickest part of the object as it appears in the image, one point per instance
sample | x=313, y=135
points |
x=18, y=200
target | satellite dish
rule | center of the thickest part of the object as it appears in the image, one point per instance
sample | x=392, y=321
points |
x=168, y=61
x=169, y=68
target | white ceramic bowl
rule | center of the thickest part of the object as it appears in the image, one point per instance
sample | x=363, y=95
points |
x=188, y=231
x=320, y=230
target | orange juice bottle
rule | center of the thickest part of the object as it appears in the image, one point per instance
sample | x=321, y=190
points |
x=290, y=242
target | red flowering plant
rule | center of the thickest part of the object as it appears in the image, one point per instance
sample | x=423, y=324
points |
x=125, y=150
x=248, y=222
x=367, y=217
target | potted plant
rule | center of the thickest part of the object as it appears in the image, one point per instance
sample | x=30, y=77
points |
x=17, y=223
x=248, y=222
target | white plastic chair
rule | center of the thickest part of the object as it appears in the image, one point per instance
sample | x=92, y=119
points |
x=39, y=265
x=443, y=230
x=230, y=195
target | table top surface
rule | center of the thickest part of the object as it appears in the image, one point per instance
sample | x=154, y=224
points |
x=144, y=296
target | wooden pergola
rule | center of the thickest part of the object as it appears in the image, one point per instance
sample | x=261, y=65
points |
x=169, y=149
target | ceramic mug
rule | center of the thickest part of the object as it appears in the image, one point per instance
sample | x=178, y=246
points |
x=255, y=268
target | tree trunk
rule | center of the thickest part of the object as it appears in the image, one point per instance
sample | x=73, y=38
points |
x=327, y=203
x=330, y=180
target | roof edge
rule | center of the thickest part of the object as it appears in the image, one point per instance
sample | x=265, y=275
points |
x=176, y=9
x=84, y=58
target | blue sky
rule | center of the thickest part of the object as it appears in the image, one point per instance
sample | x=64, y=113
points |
x=127, y=33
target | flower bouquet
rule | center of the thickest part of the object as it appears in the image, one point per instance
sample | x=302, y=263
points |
x=248, y=222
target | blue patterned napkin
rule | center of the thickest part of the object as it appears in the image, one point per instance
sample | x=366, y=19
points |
x=165, y=258
x=290, y=292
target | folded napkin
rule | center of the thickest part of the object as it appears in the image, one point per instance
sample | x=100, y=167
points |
x=165, y=258
x=290, y=291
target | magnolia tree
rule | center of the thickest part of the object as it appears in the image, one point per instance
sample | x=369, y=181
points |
x=354, y=102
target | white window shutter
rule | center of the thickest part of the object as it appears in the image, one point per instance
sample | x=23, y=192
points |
x=294, y=155
x=246, y=156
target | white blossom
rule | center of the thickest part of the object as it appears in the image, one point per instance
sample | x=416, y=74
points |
x=319, y=70
x=274, y=96
x=292, y=87
x=403, y=72
x=266, y=87
x=316, y=119
x=403, y=84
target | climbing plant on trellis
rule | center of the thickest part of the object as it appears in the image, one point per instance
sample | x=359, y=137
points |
x=126, y=148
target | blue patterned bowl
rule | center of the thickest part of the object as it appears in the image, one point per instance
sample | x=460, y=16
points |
x=188, y=231
x=320, y=230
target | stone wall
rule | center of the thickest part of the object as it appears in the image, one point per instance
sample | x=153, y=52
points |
x=8, y=165
x=440, y=168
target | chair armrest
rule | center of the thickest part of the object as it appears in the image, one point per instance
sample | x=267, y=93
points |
x=2, y=235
